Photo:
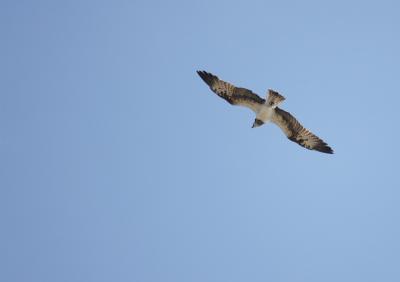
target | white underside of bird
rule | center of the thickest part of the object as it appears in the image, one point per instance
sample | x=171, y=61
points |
x=265, y=113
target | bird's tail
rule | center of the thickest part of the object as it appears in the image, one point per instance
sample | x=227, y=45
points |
x=274, y=98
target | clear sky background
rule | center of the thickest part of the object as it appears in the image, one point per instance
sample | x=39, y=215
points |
x=117, y=163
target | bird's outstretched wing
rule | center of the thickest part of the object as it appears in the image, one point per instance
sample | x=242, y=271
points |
x=297, y=133
x=232, y=94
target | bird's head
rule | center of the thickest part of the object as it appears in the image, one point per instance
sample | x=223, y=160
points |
x=257, y=123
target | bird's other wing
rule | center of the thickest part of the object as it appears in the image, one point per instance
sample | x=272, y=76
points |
x=297, y=133
x=232, y=94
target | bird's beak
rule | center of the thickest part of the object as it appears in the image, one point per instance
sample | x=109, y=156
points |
x=253, y=126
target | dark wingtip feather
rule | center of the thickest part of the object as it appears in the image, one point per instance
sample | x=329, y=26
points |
x=328, y=150
x=207, y=77
x=324, y=148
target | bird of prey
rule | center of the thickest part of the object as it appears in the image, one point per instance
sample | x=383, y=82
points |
x=266, y=110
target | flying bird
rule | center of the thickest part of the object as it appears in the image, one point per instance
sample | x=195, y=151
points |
x=266, y=110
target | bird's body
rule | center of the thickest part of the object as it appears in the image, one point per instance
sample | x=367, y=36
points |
x=265, y=113
x=266, y=110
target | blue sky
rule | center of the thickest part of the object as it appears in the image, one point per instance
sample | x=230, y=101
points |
x=118, y=163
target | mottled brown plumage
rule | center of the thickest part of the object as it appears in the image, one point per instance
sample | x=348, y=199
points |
x=297, y=133
x=232, y=94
